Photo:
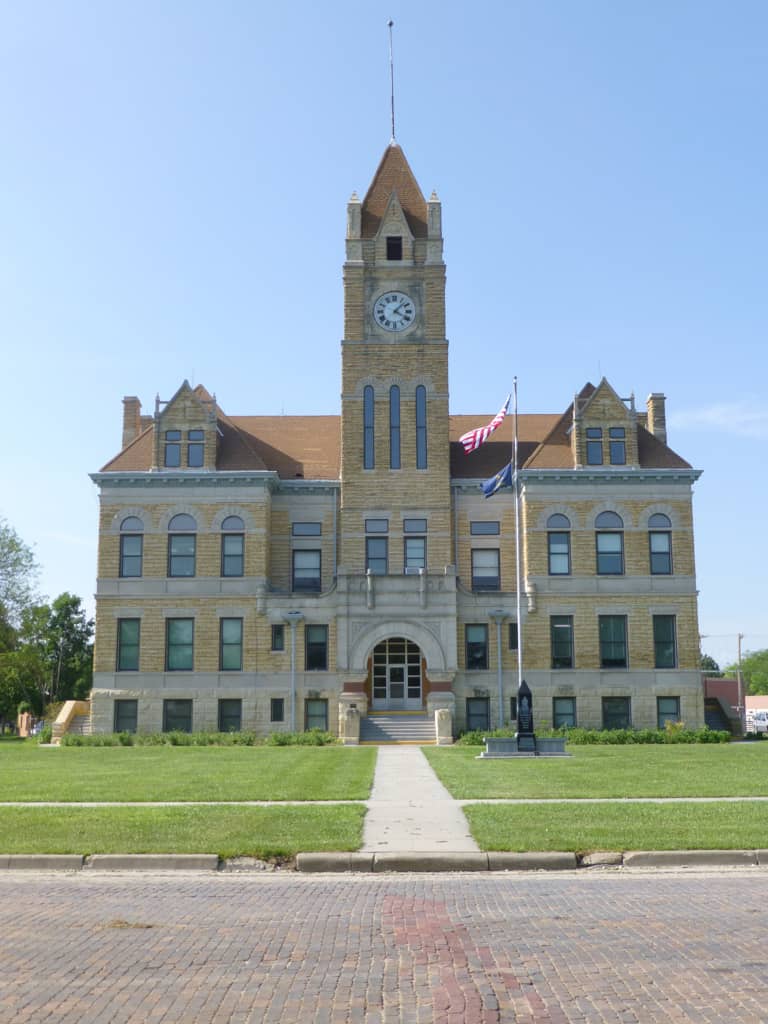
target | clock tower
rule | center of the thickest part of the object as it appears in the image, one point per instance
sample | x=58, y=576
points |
x=395, y=481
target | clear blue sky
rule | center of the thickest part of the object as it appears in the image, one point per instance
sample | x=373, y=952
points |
x=173, y=181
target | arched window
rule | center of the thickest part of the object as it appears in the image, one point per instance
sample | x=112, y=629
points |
x=181, y=545
x=559, y=545
x=131, y=546
x=421, y=427
x=368, y=451
x=660, y=544
x=232, y=546
x=609, y=542
x=394, y=427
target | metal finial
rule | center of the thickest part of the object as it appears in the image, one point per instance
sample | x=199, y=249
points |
x=390, y=24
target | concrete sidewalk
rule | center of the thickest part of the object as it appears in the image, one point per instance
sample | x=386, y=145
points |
x=410, y=810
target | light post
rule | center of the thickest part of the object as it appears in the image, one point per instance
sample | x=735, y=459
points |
x=293, y=618
x=498, y=615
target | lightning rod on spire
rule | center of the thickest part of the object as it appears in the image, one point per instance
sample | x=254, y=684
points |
x=390, y=25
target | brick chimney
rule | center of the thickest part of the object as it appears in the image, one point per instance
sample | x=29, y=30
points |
x=131, y=419
x=657, y=416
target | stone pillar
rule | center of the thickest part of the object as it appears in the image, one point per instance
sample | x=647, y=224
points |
x=443, y=727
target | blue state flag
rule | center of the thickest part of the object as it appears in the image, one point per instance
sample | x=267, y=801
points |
x=502, y=479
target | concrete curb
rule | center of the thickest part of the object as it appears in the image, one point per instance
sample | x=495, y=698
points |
x=153, y=862
x=414, y=861
x=690, y=859
x=41, y=861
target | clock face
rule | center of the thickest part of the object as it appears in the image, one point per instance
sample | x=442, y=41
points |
x=394, y=311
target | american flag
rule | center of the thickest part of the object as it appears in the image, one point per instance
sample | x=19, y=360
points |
x=474, y=438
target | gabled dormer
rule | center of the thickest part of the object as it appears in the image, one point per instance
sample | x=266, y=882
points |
x=394, y=240
x=604, y=431
x=185, y=431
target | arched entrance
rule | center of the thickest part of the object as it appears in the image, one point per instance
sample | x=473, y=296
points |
x=397, y=678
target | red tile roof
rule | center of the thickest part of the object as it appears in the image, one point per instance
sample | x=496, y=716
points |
x=394, y=175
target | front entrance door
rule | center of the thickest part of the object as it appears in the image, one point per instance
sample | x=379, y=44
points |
x=397, y=675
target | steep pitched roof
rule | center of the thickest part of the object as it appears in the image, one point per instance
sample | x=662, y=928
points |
x=492, y=456
x=394, y=175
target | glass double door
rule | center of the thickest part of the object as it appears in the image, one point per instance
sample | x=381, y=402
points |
x=397, y=675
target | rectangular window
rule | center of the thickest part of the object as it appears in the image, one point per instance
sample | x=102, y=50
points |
x=278, y=637
x=559, y=547
x=415, y=553
x=661, y=553
x=484, y=529
x=613, y=641
x=306, y=571
x=128, y=632
x=667, y=710
x=377, y=526
x=664, y=647
x=617, y=446
x=617, y=713
x=316, y=714
x=172, y=458
x=513, y=709
x=277, y=709
x=232, y=550
x=376, y=555
x=181, y=554
x=485, y=569
x=414, y=526
x=513, y=640
x=230, y=645
x=195, y=449
x=177, y=716
x=131, y=551
x=561, y=637
x=126, y=715
x=594, y=446
x=316, y=648
x=230, y=715
x=369, y=454
x=478, y=713
x=476, y=642
x=179, y=645
x=563, y=712
x=307, y=529
x=394, y=247
x=610, y=553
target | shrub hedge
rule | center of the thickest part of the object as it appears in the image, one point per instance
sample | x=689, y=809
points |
x=583, y=737
x=312, y=738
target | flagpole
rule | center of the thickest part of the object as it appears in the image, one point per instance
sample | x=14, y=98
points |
x=517, y=547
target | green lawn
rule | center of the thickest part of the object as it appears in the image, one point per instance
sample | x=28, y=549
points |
x=610, y=771
x=264, y=832
x=134, y=774
x=588, y=827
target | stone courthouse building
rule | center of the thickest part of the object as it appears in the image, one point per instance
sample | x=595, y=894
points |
x=285, y=572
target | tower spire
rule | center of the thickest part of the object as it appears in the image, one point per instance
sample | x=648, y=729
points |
x=390, y=25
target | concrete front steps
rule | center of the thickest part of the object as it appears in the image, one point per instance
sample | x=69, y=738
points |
x=397, y=727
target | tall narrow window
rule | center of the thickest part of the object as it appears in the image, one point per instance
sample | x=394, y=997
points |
x=561, y=635
x=394, y=427
x=195, y=448
x=664, y=647
x=667, y=710
x=421, y=427
x=181, y=546
x=559, y=545
x=231, y=645
x=179, y=645
x=131, y=546
x=485, y=569
x=232, y=546
x=609, y=543
x=563, y=712
x=128, y=632
x=617, y=446
x=230, y=715
x=394, y=247
x=368, y=438
x=594, y=446
x=376, y=555
x=613, y=641
x=172, y=459
x=660, y=544
x=126, y=715
x=307, y=571
x=476, y=646
x=316, y=648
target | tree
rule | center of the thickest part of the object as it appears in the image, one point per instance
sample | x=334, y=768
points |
x=18, y=573
x=55, y=653
x=709, y=665
x=754, y=671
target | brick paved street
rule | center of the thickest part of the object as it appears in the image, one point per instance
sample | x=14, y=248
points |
x=382, y=949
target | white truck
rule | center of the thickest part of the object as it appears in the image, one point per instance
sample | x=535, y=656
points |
x=757, y=721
